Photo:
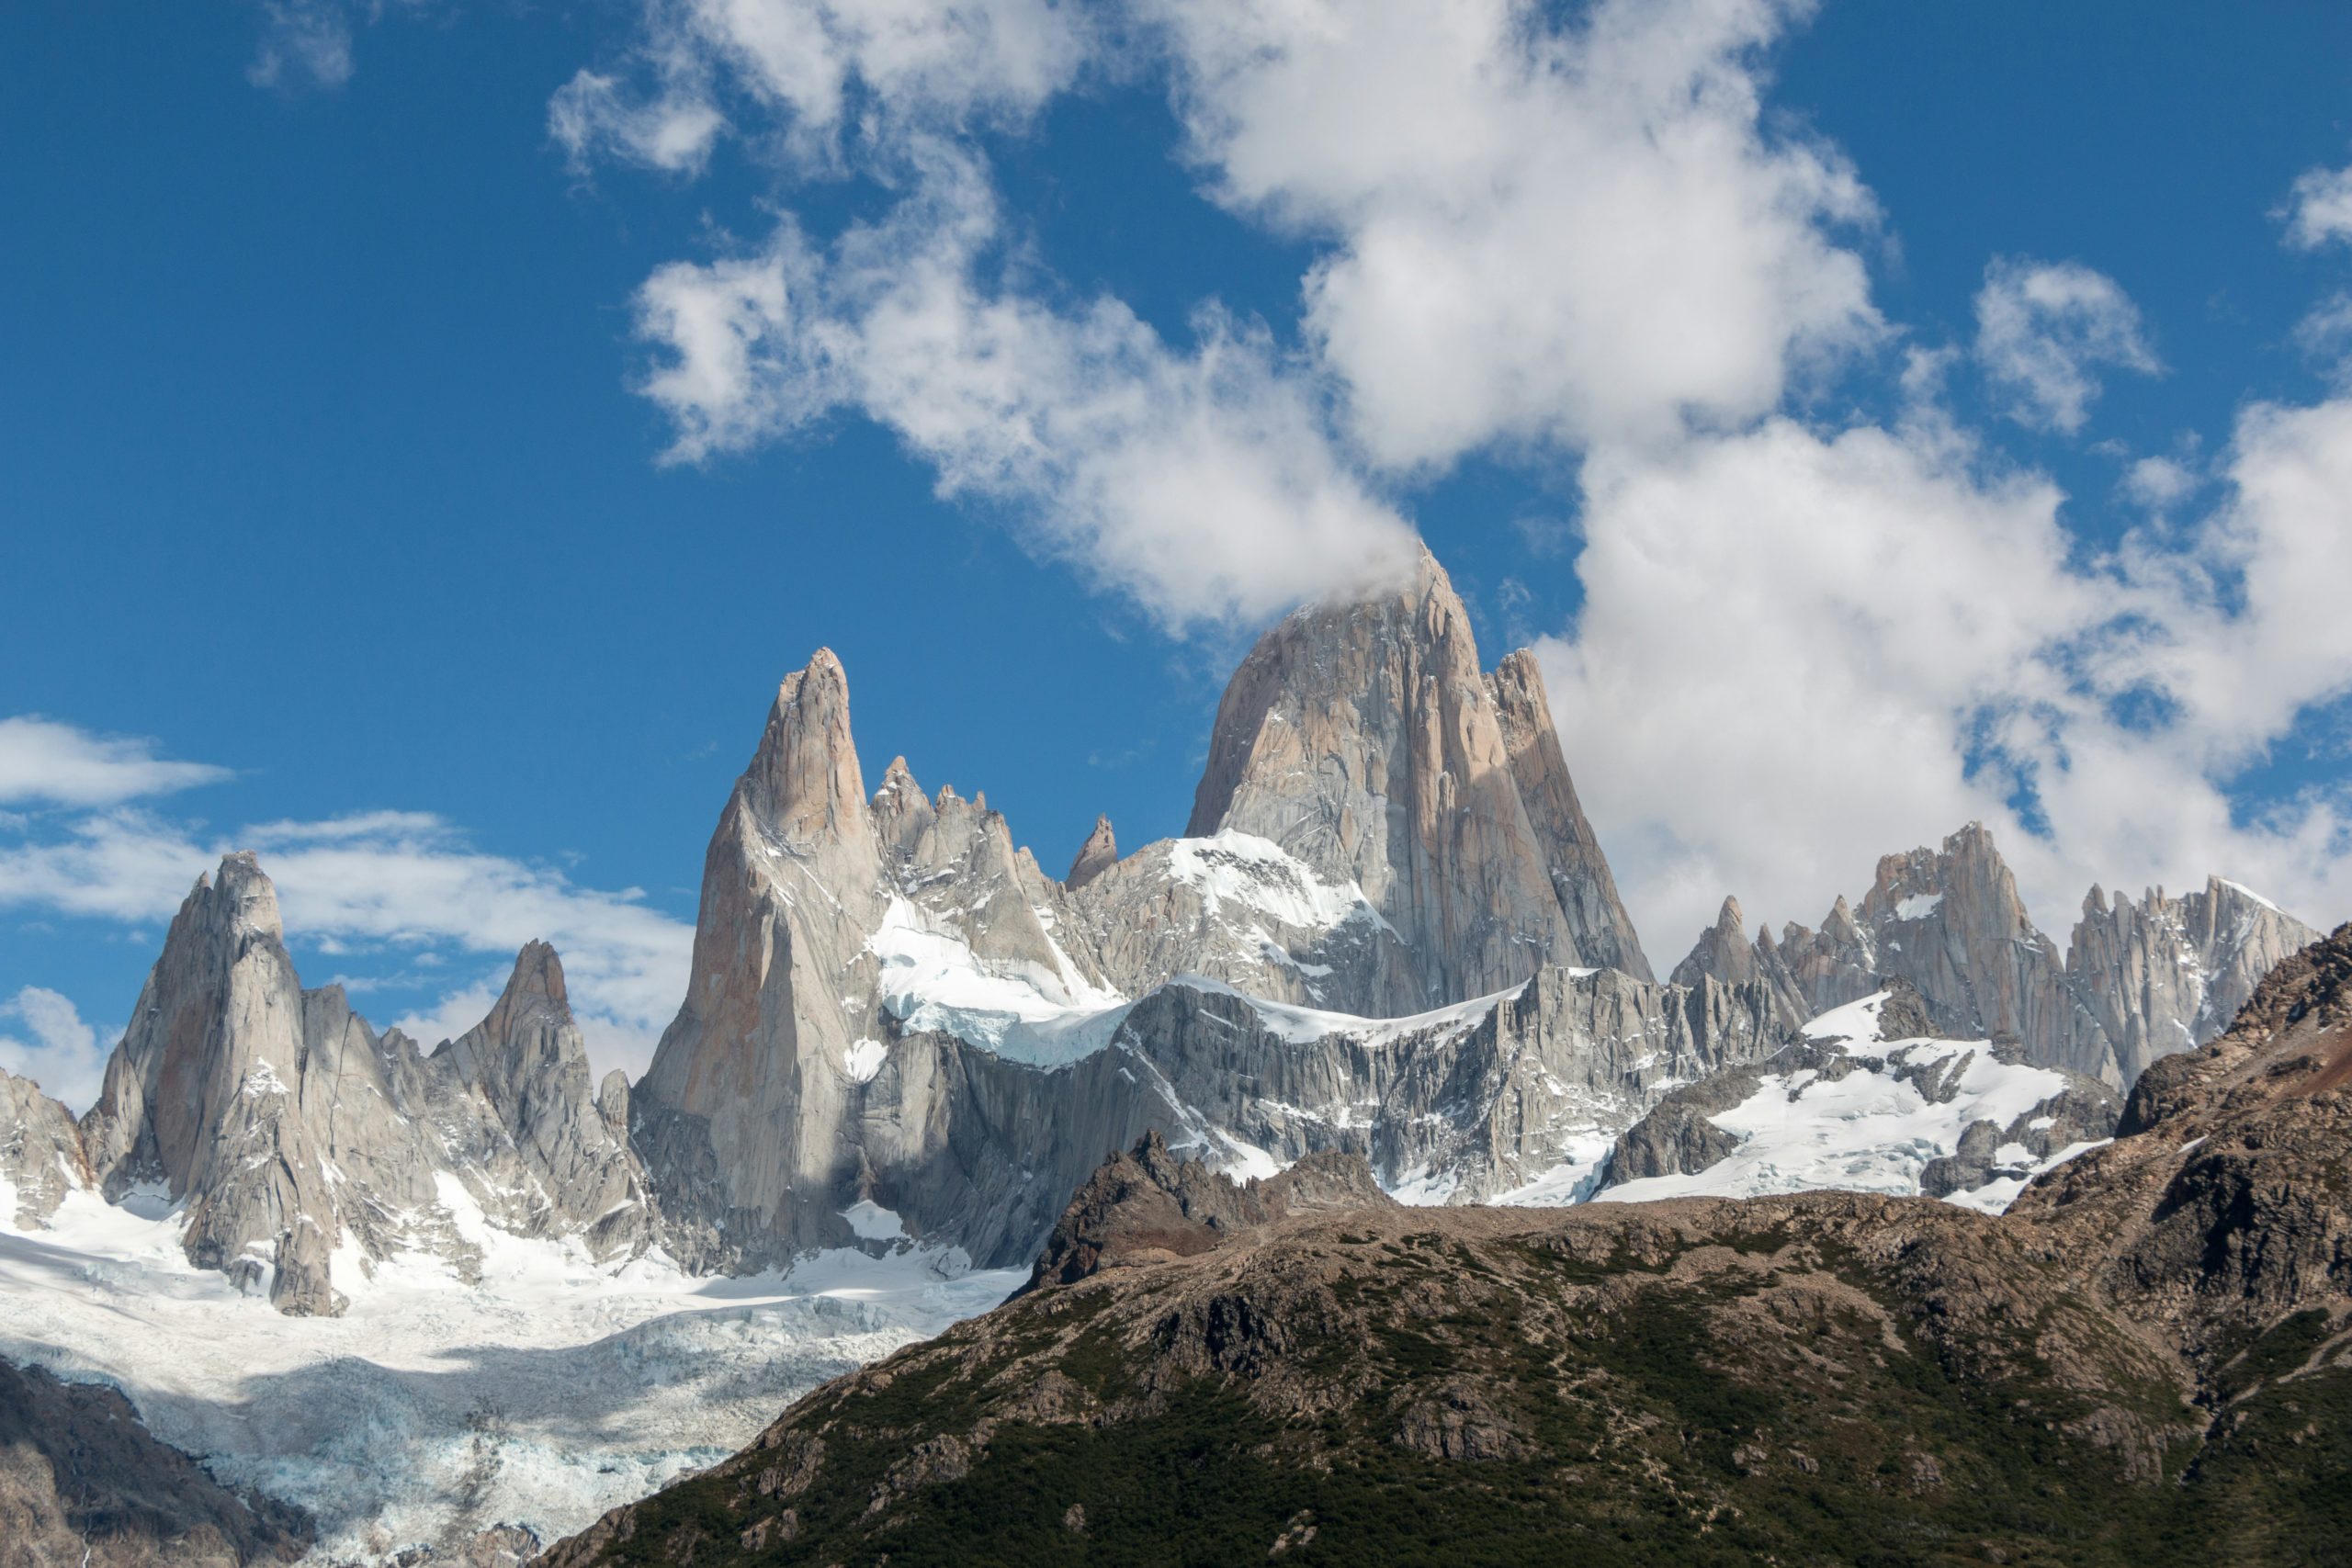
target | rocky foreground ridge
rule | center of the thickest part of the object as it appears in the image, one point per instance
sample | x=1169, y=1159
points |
x=2148, y=1360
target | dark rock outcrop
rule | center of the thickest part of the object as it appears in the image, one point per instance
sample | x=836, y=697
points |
x=82, y=1482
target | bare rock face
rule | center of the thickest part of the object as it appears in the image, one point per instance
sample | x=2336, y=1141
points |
x=1580, y=875
x=1365, y=741
x=550, y=1158
x=2165, y=975
x=41, y=1157
x=2219, y=1210
x=279, y=1121
x=1147, y=1204
x=890, y=1003
x=82, y=1482
x=2137, y=979
x=225, y=1090
x=1097, y=855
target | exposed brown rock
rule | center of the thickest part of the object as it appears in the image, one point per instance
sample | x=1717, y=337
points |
x=82, y=1482
x=1097, y=855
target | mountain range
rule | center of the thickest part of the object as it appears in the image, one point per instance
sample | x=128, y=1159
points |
x=1390, y=930
x=2148, y=1359
x=1384, y=971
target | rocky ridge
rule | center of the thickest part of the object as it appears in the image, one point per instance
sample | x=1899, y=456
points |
x=2137, y=979
x=2149, y=1358
x=1872, y=1098
x=282, y=1128
x=1388, y=930
x=83, y=1482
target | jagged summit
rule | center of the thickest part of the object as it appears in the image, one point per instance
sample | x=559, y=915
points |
x=1097, y=855
x=1364, y=739
x=2135, y=982
x=1383, y=829
x=282, y=1124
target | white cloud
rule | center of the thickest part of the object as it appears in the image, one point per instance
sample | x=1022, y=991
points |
x=1201, y=481
x=2041, y=329
x=1800, y=650
x=2159, y=484
x=1571, y=233
x=58, y=765
x=1800, y=646
x=2319, y=208
x=303, y=44
x=400, y=880
x=813, y=74
x=64, y=1056
x=1536, y=232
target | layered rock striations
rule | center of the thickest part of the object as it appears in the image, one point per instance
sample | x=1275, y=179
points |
x=2137, y=980
x=281, y=1127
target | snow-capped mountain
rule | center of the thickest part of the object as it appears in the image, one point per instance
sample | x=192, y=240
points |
x=298, y=1148
x=1871, y=1099
x=2136, y=981
x=891, y=1004
x=1389, y=931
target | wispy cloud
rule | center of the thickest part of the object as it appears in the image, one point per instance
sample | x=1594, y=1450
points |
x=44, y=761
x=397, y=882
x=2044, y=331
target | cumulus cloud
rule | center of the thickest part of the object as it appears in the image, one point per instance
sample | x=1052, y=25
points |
x=62, y=1056
x=1544, y=235
x=1801, y=650
x=1532, y=230
x=1569, y=231
x=392, y=883
x=47, y=763
x=2042, y=331
x=2319, y=208
x=1199, y=479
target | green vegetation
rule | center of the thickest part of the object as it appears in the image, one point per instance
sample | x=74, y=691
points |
x=1725, y=1419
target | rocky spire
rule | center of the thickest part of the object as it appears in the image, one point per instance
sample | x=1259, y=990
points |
x=283, y=1125
x=1581, y=876
x=1098, y=854
x=2137, y=980
x=1363, y=739
x=1722, y=952
x=743, y=1104
x=548, y=1150
x=204, y=1094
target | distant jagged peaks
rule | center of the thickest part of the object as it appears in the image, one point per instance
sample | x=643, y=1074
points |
x=283, y=1125
x=2136, y=981
x=1097, y=855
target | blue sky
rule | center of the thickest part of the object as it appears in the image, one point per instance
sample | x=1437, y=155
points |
x=353, y=353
